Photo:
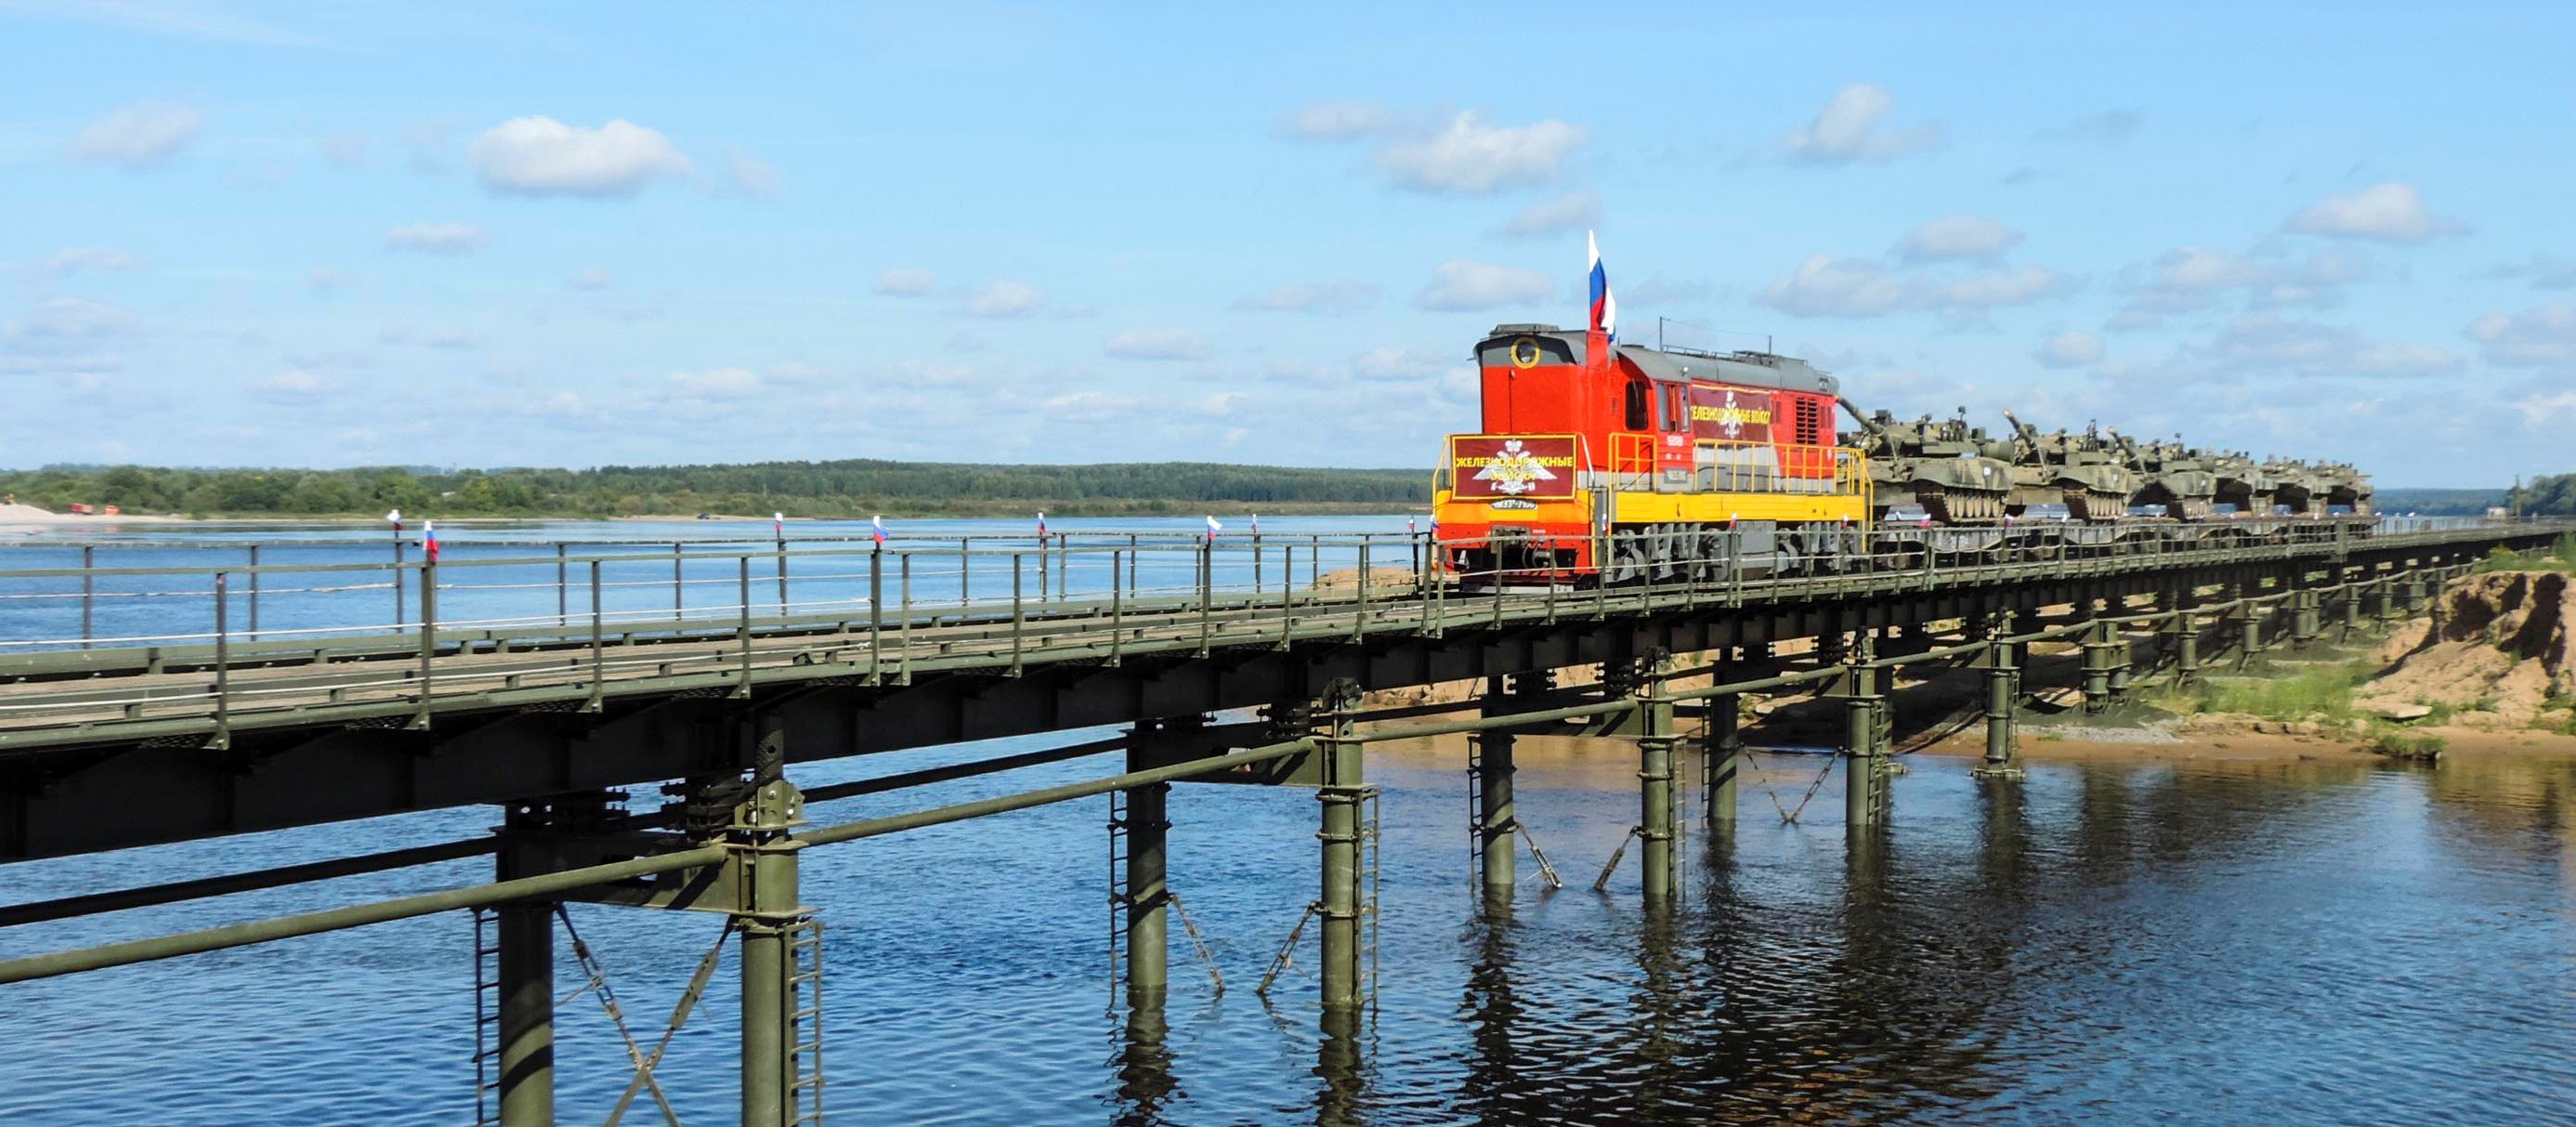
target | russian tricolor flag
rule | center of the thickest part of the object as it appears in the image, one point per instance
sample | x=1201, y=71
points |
x=1605, y=308
x=876, y=530
x=429, y=539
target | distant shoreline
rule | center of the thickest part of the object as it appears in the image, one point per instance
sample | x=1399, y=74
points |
x=31, y=517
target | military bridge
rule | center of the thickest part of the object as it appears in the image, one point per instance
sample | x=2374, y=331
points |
x=256, y=694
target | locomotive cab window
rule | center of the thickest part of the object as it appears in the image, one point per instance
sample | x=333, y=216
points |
x=1637, y=409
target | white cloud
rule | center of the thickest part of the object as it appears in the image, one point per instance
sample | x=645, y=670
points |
x=1958, y=237
x=2542, y=271
x=1824, y=286
x=1400, y=364
x=1157, y=345
x=427, y=141
x=92, y=367
x=1334, y=121
x=1005, y=299
x=2188, y=279
x=75, y=260
x=2265, y=345
x=1215, y=404
x=1090, y=407
x=1461, y=286
x=325, y=279
x=138, y=136
x=1332, y=298
x=2392, y=212
x=716, y=383
x=1573, y=211
x=2107, y=127
x=2539, y=337
x=2543, y=407
x=2069, y=350
x=438, y=238
x=1849, y=130
x=2018, y=285
x=593, y=279
x=290, y=386
x=74, y=318
x=539, y=156
x=1471, y=157
x=752, y=175
x=910, y=282
x=344, y=148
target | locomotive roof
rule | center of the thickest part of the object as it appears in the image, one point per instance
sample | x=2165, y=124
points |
x=1750, y=369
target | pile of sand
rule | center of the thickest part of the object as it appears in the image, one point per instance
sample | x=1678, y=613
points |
x=2494, y=651
x=23, y=516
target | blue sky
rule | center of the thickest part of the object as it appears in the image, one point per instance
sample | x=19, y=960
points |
x=574, y=234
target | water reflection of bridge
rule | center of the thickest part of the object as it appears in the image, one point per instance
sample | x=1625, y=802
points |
x=106, y=746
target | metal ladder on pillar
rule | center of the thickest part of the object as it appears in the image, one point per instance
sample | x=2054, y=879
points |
x=487, y=1017
x=1368, y=896
x=1117, y=894
x=1475, y=807
x=805, y=1022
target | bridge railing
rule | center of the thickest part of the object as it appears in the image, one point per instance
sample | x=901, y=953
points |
x=876, y=613
x=85, y=597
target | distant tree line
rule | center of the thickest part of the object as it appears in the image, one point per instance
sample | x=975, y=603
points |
x=2551, y=496
x=850, y=488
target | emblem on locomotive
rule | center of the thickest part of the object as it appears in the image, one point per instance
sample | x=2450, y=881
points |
x=1513, y=470
x=1490, y=466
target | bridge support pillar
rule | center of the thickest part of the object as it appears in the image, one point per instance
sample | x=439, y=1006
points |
x=2351, y=597
x=1864, y=785
x=1497, y=821
x=777, y=937
x=2307, y=617
x=1721, y=756
x=2414, y=594
x=1341, y=795
x=524, y=951
x=2003, y=687
x=1148, y=894
x=2101, y=641
x=1657, y=821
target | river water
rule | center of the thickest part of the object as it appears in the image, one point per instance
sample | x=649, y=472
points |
x=2193, y=941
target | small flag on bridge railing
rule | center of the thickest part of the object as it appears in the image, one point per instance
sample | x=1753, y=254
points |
x=1041, y=526
x=1256, y=524
x=395, y=516
x=778, y=525
x=876, y=529
x=429, y=540
x=1213, y=528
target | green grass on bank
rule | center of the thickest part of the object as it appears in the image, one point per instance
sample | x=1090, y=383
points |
x=2561, y=557
x=2323, y=693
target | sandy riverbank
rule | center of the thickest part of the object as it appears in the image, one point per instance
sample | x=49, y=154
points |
x=28, y=517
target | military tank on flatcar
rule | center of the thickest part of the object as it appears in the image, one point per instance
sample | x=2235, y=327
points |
x=2174, y=479
x=1951, y=469
x=2080, y=471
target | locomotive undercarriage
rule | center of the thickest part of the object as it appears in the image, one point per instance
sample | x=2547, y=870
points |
x=1679, y=553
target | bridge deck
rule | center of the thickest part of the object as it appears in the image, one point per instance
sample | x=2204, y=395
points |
x=119, y=694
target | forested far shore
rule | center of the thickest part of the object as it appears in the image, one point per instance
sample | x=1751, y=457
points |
x=846, y=489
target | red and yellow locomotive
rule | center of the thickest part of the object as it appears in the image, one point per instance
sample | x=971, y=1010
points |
x=1615, y=462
